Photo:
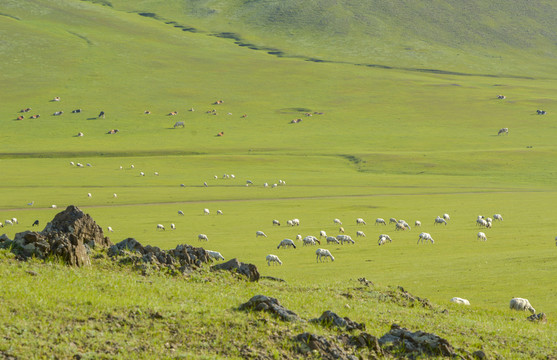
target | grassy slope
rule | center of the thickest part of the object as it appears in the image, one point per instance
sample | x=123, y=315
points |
x=387, y=142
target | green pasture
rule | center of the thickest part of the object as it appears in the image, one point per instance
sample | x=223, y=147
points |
x=380, y=143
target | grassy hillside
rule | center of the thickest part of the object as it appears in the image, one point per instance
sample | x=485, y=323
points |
x=381, y=142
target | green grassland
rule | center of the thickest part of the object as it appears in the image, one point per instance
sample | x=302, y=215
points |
x=390, y=142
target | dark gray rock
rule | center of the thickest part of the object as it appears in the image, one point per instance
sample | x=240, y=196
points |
x=329, y=319
x=271, y=305
x=248, y=270
x=401, y=339
x=328, y=349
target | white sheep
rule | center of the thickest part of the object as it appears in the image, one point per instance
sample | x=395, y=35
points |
x=446, y=217
x=89, y=195
x=425, y=237
x=360, y=233
x=273, y=259
x=172, y=226
x=322, y=234
x=392, y=220
x=299, y=237
x=8, y=222
x=497, y=217
x=286, y=243
x=440, y=220
x=360, y=221
x=380, y=221
x=481, y=236
x=109, y=229
x=481, y=222
x=461, y=301
x=417, y=223
x=296, y=222
x=521, y=304
x=160, y=227
x=114, y=195
x=323, y=253
x=180, y=212
x=206, y=211
x=332, y=239
x=202, y=237
x=215, y=255
x=341, y=230
x=79, y=165
x=402, y=226
x=383, y=238
x=14, y=220
x=260, y=233
x=311, y=240
x=219, y=212
x=289, y=223
x=141, y=173
x=337, y=221
x=345, y=238
x=276, y=222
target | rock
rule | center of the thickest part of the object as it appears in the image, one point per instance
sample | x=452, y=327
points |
x=308, y=344
x=368, y=341
x=401, y=339
x=269, y=304
x=248, y=270
x=329, y=318
x=540, y=317
x=129, y=244
x=76, y=222
x=479, y=355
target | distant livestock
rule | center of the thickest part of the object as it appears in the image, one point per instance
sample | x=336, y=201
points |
x=323, y=253
x=160, y=227
x=481, y=236
x=503, y=131
x=392, y=220
x=417, y=223
x=276, y=222
x=521, y=304
x=541, y=112
x=461, y=301
x=360, y=233
x=345, y=238
x=425, y=237
x=286, y=243
x=380, y=221
x=337, y=221
x=206, y=211
x=215, y=255
x=202, y=237
x=440, y=220
x=501, y=97
x=332, y=239
x=179, y=124
x=260, y=233
x=383, y=238
x=273, y=259
x=360, y=221
x=497, y=217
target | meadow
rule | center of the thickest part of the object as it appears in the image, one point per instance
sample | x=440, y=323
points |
x=381, y=142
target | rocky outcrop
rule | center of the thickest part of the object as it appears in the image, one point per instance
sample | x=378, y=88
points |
x=67, y=237
x=248, y=270
x=271, y=305
x=419, y=342
x=329, y=319
x=328, y=349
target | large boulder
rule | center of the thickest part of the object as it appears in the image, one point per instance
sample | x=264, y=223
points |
x=271, y=305
x=248, y=270
x=418, y=343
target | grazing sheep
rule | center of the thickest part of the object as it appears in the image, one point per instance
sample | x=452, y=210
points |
x=521, y=304
x=286, y=243
x=172, y=226
x=14, y=220
x=446, y=217
x=311, y=240
x=53, y=206
x=323, y=253
x=332, y=239
x=402, y=225
x=392, y=220
x=417, y=223
x=501, y=97
x=160, y=227
x=481, y=236
x=205, y=184
x=273, y=259
x=35, y=223
x=180, y=212
x=440, y=220
x=497, y=217
x=425, y=237
x=341, y=230
x=462, y=301
x=276, y=222
x=2, y=225
x=360, y=233
x=360, y=221
x=89, y=195
x=141, y=173
x=219, y=212
x=108, y=228
x=503, y=131
x=382, y=241
x=481, y=222
x=114, y=195
x=8, y=222
x=260, y=233
x=203, y=237
x=380, y=221
x=206, y=211
x=322, y=234
x=296, y=222
x=345, y=238
x=289, y=223
x=215, y=255
x=79, y=165
x=541, y=112
x=337, y=221
x=299, y=237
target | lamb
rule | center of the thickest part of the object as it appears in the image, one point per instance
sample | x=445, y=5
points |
x=206, y=211
x=323, y=253
x=160, y=227
x=458, y=300
x=481, y=236
x=219, y=212
x=180, y=212
x=202, y=237
x=108, y=228
x=299, y=237
x=296, y=222
x=276, y=222
x=172, y=226
x=417, y=223
x=497, y=217
x=337, y=221
x=380, y=221
x=345, y=238
x=273, y=259
x=260, y=233
x=322, y=234
x=341, y=230
x=215, y=255
x=446, y=217
x=440, y=220
x=360, y=221
x=521, y=304
x=332, y=239
x=360, y=233
x=286, y=243
x=425, y=237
